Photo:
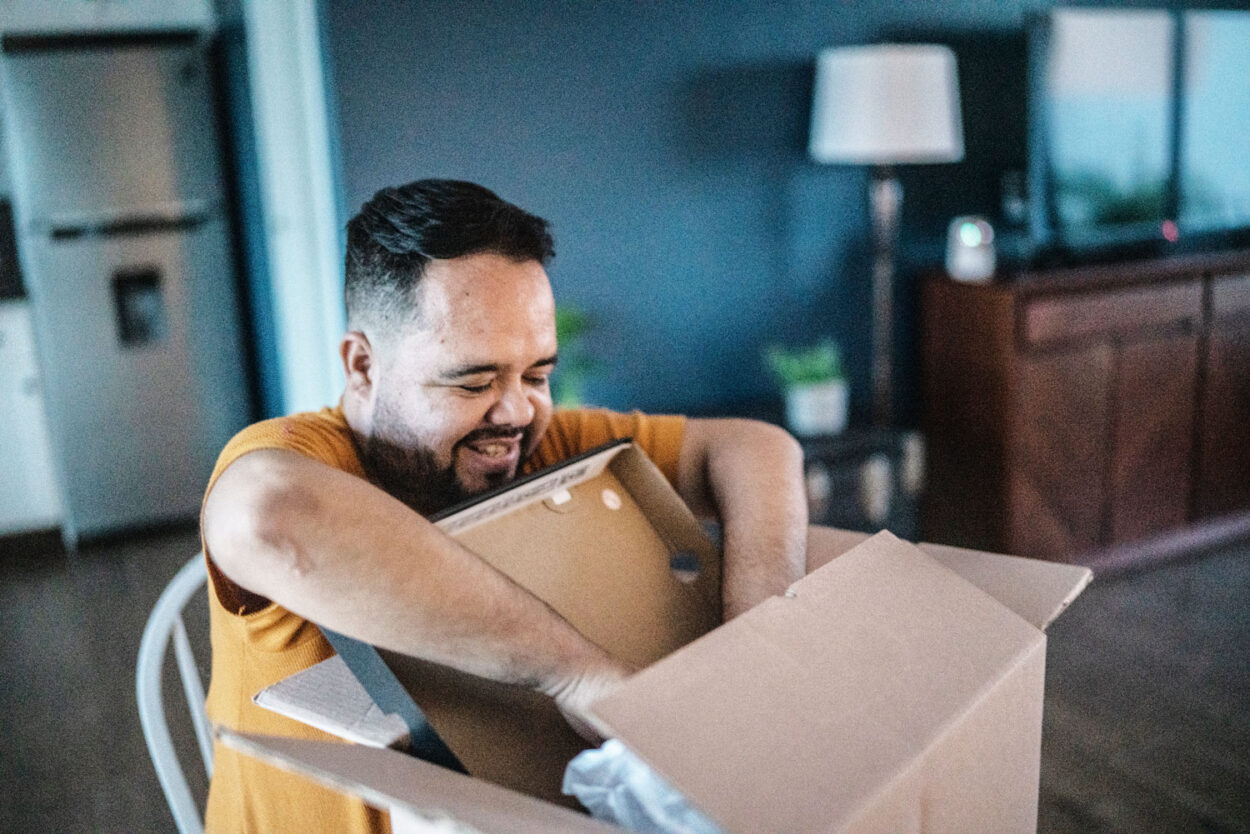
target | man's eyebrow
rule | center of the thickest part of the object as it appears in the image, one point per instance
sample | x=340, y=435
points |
x=461, y=371
x=468, y=370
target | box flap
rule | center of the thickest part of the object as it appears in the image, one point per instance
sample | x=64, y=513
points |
x=1037, y=591
x=595, y=540
x=328, y=696
x=387, y=779
x=796, y=715
x=534, y=487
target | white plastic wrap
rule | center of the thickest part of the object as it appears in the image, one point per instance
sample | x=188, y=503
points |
x=618, y=787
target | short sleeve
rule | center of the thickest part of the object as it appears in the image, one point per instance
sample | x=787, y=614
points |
x=323, y=436
x=575, y=431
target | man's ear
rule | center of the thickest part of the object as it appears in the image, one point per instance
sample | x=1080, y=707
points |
x=358, y=363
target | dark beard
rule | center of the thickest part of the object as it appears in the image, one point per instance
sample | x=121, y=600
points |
x=411, y=475
x=409, y=471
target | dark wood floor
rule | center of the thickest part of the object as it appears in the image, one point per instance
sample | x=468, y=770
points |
x=72, y=756
x=1147, y=722
x=1147, y=708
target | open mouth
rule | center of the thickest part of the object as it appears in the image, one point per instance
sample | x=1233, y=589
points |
x=494, y=450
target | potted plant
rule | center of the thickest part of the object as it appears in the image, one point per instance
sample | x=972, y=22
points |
x=814, y=385
x=568, y=384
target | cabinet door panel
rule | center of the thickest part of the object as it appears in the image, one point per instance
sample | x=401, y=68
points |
x=1123, y=312
x=1061, y=428
x=1224, y=439
x=1153, y=436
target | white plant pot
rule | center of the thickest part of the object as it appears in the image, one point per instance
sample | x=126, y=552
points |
x=817, y=408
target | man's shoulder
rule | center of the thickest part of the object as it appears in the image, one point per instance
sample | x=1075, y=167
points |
x=328, y=421
x=322, y=435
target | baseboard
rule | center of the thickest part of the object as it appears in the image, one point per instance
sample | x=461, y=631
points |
x=1188, y=542
x=29, y=544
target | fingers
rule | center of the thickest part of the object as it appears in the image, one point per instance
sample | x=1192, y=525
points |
x=583, y=691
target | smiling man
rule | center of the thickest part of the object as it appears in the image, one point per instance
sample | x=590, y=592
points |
x=322, y=517
x=451, y=406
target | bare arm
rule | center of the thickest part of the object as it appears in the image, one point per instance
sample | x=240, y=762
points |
x=342, y=553
x=750, y=475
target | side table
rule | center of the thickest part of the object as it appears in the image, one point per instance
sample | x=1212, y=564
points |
x=866, y=479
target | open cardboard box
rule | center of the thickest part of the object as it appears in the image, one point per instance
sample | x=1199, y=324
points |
x=895, y=688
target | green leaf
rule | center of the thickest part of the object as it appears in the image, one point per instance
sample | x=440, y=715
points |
x=821, y=362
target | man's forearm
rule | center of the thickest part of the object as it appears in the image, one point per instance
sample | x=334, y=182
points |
x=751, y=474
x=764, y=552
x=334, y=549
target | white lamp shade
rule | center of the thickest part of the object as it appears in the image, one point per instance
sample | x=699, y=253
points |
x=885, y=104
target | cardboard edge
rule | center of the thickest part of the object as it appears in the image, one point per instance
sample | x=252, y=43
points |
x=1087, y=576
x=472, y=804
x=532, y=489
x=672, y=519
x=259, y=747
x=1040, y=608
x=1000, y=575
x=308, y=696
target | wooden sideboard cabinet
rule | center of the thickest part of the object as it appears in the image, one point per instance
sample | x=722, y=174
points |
x=1071, y=410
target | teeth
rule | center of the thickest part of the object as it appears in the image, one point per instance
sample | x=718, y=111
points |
x=494, y=447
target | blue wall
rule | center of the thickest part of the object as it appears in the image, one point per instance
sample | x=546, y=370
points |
x=666, y=143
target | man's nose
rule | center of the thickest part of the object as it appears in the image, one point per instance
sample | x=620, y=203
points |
x=513, y=408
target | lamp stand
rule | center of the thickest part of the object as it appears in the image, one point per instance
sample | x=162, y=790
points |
x=885, y=200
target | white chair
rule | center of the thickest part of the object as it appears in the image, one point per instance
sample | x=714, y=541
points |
x=165, y=622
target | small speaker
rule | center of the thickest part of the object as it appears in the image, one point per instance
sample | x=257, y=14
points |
x=970, y=249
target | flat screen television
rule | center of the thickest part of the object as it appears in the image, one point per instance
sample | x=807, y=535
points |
x=1139, y=132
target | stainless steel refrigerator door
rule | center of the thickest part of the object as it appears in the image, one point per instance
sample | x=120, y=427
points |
x=144, y=374
x=107, y=133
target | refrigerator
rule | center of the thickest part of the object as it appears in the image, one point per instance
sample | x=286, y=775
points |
x=127, y=254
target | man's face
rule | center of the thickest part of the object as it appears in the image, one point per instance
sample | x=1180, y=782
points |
x=461, y=396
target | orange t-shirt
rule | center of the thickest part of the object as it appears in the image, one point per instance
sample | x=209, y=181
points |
x=257, y=642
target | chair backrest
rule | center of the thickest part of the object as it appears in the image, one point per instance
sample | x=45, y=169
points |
x=165, y=623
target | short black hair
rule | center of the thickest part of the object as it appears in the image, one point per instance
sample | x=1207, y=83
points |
x=403, y=228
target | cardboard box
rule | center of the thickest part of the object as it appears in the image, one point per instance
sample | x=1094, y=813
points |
x=894, y=688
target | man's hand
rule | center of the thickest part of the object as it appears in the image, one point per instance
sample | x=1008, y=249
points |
x=575, y=696
x=750, y=476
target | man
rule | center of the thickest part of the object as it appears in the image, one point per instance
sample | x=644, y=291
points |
x=321, y=518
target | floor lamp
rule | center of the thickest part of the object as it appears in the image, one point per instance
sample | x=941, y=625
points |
x=885, y=105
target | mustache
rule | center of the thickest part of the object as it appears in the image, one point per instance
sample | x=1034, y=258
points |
x=495, y=433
